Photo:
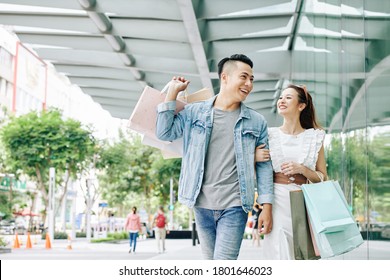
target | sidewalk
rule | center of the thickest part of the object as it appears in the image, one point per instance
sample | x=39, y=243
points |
x=177, y=249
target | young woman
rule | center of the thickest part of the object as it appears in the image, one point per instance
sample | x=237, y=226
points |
x=297, y=154
x=133, y=226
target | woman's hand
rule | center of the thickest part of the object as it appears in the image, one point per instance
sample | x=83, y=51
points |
x=291, y=168
x=261, y=154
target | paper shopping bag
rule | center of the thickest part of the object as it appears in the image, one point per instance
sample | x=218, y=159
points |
x=199, y=95
x=144, y=116
x=334, y=228
x=169, y=155
x=168, y=149
x=304, y=248
x=329, y=206
x=337, y=243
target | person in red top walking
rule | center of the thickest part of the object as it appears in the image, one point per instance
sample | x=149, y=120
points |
x=133, y=225
x=160, y=223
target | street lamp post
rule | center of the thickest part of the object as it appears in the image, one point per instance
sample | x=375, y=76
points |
x=88, y=214
x=171, y=194
x=50, y=214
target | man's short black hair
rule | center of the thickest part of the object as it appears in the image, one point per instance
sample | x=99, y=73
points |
x=235, y=57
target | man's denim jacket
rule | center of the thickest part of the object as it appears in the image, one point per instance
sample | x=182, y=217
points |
x=195, y=124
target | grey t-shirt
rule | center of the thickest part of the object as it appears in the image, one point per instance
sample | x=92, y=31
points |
x=220, y=188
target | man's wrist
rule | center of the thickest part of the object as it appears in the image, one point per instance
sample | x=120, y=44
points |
x=171, y=95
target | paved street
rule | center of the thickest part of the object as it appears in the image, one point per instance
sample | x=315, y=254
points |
x=146, y=249
x=177, y=249
x=103, y=261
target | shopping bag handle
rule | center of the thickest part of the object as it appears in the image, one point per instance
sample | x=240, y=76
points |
x=166, y=87
x=319, y=176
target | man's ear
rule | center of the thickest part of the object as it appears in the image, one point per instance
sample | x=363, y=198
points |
x=224, y=77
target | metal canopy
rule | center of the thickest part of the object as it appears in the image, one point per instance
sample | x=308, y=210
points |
x=113, y=48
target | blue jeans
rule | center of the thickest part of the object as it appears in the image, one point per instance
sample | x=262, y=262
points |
x=133, y=239
x=220, y=232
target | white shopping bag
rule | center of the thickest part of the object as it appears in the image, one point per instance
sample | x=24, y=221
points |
x=144, y=116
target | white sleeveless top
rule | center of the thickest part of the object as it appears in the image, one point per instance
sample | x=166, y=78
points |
x=302, y=148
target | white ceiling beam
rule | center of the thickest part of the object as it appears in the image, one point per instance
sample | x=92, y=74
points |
x=99, y=82
x=48, y=3
x=52, y=23
x=93, y=71
x=195, y=39
x=105, y=25
x=42, y=41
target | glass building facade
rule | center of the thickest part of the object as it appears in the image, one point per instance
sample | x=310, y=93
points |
x=345, y=46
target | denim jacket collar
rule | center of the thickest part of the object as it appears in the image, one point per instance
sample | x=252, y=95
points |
x=244, y=112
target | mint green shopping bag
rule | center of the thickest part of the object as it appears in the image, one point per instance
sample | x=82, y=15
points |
x=334, y=227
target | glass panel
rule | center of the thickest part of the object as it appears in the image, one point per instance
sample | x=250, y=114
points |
x=342, y=54
x=377, y=83
x=377, y=26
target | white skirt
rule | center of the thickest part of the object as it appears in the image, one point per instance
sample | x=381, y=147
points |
x=278, y=245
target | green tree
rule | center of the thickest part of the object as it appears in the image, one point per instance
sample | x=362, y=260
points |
x=131, y=173
x=5, y=206
x=379, y=190
x=350, y=162
x=124, y=170
x=162, y=170
x=6, y=198
x=35, y=142
x=114, y=167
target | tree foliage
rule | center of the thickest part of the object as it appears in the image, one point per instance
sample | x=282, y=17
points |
x=131, y=172
x=162, y=170
x=362, y=167
x=37, y=141
x=379, y=182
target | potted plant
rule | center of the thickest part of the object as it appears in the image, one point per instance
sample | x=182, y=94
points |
x=4, y=248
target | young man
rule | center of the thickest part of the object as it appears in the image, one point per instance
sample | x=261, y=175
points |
x=217, y=174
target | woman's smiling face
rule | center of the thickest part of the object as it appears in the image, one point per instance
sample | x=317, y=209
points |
x=289, y=103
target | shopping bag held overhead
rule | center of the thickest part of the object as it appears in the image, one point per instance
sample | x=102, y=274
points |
x=144, y=116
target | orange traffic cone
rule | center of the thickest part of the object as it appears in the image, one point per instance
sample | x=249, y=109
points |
x=48, y=243
x=69, y=247
x=28, y=242
x=16, y=241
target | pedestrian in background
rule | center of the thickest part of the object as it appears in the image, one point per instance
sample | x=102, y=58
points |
x=111, y=222
x=160, y=223
x=255, y=228
x=133, y=226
